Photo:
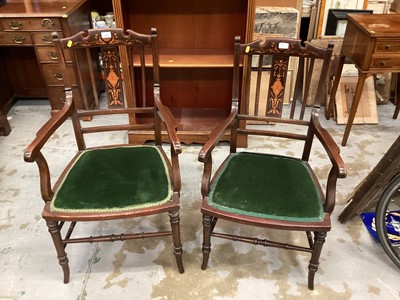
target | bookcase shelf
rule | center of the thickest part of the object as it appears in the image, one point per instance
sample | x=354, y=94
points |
x=195, y=40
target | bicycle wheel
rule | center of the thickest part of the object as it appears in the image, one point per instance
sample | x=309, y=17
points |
x=387, y=220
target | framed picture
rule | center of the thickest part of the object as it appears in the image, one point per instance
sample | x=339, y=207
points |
x=274, y=22
x=337, y=20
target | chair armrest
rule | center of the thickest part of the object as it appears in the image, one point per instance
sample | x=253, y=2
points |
x=205, y=152
x=33, y=153
x=168, y=119
x=338, y=169
x=49, y=128
x=216, y=134
x=330, y=146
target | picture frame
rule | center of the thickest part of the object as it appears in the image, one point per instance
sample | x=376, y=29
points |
x=337, y=20
x=273, y=21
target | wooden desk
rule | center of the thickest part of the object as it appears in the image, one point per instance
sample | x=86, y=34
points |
x=28, y=62
x=372, y=43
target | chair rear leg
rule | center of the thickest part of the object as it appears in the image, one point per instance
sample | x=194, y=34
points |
x=176, y=239
x=207, y=228
x=61, y=254
x=214, y=221
x=319, y=241
x=310, y=239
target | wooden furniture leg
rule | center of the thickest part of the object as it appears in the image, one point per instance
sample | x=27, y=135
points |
x=207, y=228
x=397, y=97
x=353, y=110
x=5, y=128
x=314, y=261
x=61, y=254
x=329, y=106
x=177, y=245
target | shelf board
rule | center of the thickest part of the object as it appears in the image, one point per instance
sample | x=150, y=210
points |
x=187, y=58
x=198, y=119
x=194, y=119
x=192, y=58
x=193, y=125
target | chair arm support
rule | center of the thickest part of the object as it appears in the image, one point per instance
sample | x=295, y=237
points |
x=330, y=147
x=168, y=120
x=338, y=169
x=49, y=128
x=216, y=134
x=33, y=151
x=205, y=154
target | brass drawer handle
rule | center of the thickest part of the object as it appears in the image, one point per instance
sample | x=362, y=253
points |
x=58, y=76
x=383, y=63
x=47, y=23
x=53, y=55
x=15, y=25
x=47, y=39
x=388, y=47
x=18, y=39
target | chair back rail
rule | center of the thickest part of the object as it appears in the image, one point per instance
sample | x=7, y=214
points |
x=262, y=99
x=107, y=77
x=274, y=56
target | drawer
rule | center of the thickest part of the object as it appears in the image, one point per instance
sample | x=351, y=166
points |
x=53, y=77
x=49, y=54
x=15, y=38
x=389, y=63
x=30, y=24
x=57, y=97
x=44, y=38
x=389, y=45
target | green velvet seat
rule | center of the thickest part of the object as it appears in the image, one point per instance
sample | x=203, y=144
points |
x=268, y=186
x=114, y=179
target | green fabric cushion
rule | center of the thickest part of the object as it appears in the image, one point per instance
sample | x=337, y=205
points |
x=268, y=186
x=114, y=179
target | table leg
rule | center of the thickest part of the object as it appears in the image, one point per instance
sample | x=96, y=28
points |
x=5, y=128
x=353, y=110
x=397, y=96
x=329, y=106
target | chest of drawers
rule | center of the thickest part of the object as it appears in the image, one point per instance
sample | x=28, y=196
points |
x=28, y=54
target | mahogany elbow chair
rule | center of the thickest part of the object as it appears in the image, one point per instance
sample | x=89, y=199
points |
x=269, y=190
x=117, y=181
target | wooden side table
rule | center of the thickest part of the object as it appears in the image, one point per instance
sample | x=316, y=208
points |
x=372, y=43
